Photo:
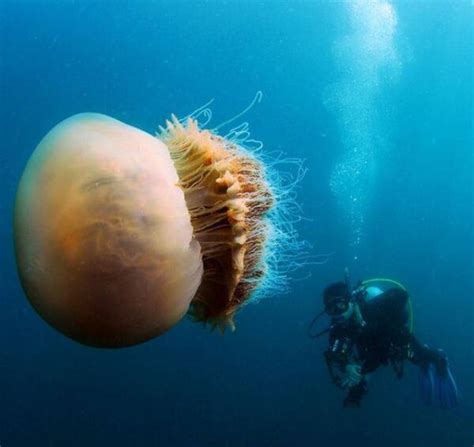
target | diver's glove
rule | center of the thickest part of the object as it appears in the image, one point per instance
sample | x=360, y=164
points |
x=352, y=376
x=436, y=380
x=355, y=394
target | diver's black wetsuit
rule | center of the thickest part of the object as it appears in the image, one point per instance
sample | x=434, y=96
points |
x=382, y=338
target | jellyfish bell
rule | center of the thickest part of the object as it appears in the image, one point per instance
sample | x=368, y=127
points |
x=119, y=234
x=104, y=242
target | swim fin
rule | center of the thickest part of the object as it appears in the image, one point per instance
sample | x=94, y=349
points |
x=427, y=384
x=436, y=380
x=446, y=389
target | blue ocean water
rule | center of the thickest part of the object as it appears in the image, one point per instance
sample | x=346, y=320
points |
x=375, y=97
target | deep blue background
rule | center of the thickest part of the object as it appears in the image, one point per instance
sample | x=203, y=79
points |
x=265, y=385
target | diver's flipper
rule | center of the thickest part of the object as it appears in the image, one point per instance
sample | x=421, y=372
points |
x=436, y=380
x=427, y=384
x=446, y=389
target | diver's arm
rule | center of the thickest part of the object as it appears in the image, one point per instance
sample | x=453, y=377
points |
x=342, y=364
x=345, y=370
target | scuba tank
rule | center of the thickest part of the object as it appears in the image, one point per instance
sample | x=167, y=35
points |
x=364, y=291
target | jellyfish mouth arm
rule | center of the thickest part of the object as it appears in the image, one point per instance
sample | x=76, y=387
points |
x=227, y=198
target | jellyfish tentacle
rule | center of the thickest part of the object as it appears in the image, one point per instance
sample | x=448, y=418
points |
x=257, y=98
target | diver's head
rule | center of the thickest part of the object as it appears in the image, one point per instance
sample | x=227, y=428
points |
x=337, y=300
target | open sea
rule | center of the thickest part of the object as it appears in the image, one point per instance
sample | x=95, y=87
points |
x=373, y=99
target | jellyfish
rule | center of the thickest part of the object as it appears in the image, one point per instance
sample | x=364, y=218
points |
x=119, y=234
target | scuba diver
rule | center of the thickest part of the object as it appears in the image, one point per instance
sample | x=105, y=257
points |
x=372, y=325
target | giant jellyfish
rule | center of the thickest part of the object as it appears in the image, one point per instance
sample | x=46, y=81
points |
x=119, y=234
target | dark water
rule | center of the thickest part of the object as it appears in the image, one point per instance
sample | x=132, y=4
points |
x=406, y=104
